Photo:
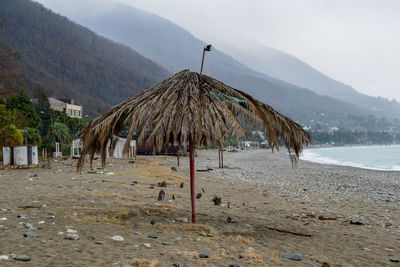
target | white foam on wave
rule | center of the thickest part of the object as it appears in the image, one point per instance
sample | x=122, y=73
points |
x=313, y=156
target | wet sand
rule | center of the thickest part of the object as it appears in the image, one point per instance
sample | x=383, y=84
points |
x=276, y=210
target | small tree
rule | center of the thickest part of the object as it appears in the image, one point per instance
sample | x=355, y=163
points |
x=59, y=132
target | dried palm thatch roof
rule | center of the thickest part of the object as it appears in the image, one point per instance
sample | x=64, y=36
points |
x=190, y=107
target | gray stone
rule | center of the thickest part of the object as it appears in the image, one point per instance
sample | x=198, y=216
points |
x=293, y=256
x=30, y=226
x=203, y=256
x=178, y=238
x=235, y=265
x=72, y=236
x=152, y=236
x=117, y=238
x=137, y=233
x=20, y=225
x=22, y=258
x=174, y=169
x=394, y=260
x=31, y=234
x=166, y=243
x=50, y=217
x=77, y=249
x=60, y=186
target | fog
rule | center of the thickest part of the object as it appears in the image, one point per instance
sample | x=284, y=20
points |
x=356, y=42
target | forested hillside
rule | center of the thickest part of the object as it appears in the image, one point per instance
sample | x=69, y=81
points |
x=70, y=61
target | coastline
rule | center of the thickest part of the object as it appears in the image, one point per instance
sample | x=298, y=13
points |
x=260, y=191
x=312, y=155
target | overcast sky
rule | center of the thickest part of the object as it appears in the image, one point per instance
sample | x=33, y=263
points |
x=353, y=41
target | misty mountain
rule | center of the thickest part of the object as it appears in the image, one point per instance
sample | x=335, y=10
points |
x=177, y=49
x=70, y=61
x=288, y=68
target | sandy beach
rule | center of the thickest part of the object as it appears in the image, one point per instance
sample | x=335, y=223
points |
x=332, y=215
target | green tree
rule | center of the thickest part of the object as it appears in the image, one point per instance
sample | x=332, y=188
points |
x=44, y=110
x=9, y=134
x=59, y=132
x=24, y=108
x=32, y=136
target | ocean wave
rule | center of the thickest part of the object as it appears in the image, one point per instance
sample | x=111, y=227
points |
x=313, y=156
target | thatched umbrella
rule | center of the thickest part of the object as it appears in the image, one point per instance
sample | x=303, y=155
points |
x=190, y=108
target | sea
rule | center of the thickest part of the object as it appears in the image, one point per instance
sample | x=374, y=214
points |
x=385, y=158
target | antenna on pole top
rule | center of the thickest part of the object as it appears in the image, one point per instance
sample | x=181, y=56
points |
x=206, y=48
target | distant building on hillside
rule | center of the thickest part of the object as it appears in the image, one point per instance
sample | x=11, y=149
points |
x=66, y=105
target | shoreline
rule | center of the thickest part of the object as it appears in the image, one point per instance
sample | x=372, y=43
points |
x=315, y=158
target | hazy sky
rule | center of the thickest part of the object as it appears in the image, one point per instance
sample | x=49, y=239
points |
x=353, y=41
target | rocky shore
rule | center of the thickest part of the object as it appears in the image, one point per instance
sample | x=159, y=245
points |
x=271, y=214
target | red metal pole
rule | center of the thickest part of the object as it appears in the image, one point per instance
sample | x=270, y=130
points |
x=192, y=182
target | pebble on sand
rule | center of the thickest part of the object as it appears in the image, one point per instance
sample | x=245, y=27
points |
x=72, y=236
x=152, y=236
x=31, y=234
x=394, y=260
x=293, y=256
x=117, y=238
x=203, y=256
x=22, y=258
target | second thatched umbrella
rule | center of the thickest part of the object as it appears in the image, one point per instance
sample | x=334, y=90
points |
x=194, y=109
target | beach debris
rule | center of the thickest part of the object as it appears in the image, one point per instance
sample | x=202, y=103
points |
x=202, y=189
x=3, y=258
x=31, y=234
x=72, y=231
x=198, y=196
x=146, y=245
x=394, y=260
x=72, y=236
x=293, y=256
x=152, y=236
x=204, y=170
x=206, y=234
x=217, y=200
x=161, y=195
x=22, y=258
x=162, y=184
x=174, y=169
x=181, y=185
x=117, y=238
x=229, y=220
x=322, y=218
x=287, y=232
x=203, y=256
x=182, y=219
x=356, y=222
